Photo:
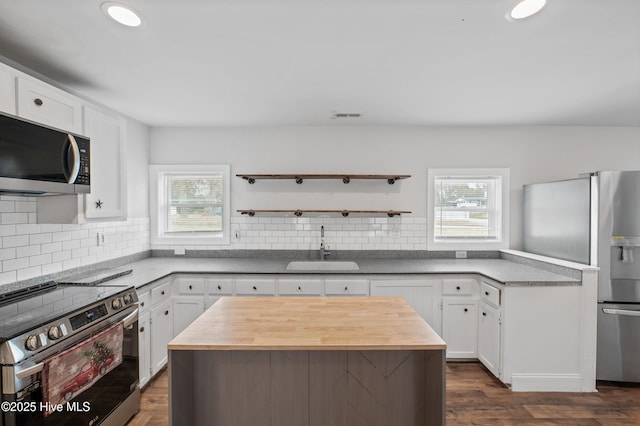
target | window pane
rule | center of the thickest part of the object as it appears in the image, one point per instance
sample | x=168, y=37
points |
x=194, y=203
x=463, y=208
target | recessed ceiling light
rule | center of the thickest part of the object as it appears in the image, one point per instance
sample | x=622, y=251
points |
x=122, y=14
x=525, y=8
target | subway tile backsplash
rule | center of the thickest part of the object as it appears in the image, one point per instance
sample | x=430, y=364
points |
x=303, y=233
x=29, y=250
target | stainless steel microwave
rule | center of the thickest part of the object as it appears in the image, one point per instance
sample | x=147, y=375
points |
x=40, y=160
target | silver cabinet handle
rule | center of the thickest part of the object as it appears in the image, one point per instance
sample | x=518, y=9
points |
x=621, y=312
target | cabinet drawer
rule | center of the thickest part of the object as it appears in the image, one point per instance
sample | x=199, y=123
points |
x=464, y=287
x=144, y=301
x=259, y=287
x=292, y=287
x=161, y=292
x=48, y=105
x=220, y=286
x=346, y=287
x=191, y=286
x=490, y=293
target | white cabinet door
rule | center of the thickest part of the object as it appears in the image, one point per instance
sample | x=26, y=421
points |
x=144, y=348
x=7, y=90
x=489, y=333
x=161, y=334
x=460, y=327
x=108, y=196
x=422, y=294
x=48, y=105
x=185, y=310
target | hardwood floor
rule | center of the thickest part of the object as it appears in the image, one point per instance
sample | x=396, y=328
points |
x=475, y=397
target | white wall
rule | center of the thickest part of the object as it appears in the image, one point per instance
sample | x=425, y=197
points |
x=533, y=154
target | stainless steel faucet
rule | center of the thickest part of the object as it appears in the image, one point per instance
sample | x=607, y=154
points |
x=323, y=253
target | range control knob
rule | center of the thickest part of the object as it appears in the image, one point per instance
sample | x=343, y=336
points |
x=117, y=303
x=55, y=332
x=32, y=343
x=128, y=298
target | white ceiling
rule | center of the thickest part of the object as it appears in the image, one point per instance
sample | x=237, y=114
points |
x=294, y=62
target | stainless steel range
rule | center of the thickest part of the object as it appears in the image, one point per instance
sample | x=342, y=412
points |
x=69, y=355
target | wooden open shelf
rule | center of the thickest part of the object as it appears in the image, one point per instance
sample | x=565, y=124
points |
x=299, y=178
x=344, y=213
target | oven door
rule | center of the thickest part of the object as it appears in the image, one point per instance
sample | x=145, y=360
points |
x=90, y=392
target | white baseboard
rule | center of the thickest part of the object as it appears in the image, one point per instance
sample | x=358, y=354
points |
x=546, y=383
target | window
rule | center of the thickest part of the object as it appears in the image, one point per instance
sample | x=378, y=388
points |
x=189, y=204
x=468, y=209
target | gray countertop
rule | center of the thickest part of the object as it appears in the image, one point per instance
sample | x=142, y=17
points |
x=504, y=271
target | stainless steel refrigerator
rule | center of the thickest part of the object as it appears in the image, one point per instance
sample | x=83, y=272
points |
x=595, y=219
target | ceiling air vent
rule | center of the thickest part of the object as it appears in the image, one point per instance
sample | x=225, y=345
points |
x=345, y=115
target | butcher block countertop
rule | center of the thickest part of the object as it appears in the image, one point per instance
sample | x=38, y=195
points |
x=309, y=323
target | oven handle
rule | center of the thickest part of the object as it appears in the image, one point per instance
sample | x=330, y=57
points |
x=22, y=374
x=621, y=312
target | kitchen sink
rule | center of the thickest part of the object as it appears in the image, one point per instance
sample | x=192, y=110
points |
x=318, y=265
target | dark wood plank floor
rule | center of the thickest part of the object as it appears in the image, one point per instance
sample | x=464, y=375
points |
x=475, y=397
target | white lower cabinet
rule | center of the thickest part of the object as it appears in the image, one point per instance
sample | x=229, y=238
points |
x=161, y=334
x=144, y=347
x=215, y=289
x=489, y=335
x=346, y=287
x=460, y=327
x=255, y=287
x=423, y=295
x=185, y=310
x=299, y=287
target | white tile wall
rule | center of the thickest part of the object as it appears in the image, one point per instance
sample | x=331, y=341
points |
x=303, y=233
x=29, y=250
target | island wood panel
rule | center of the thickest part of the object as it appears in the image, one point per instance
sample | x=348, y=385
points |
x=313, y=388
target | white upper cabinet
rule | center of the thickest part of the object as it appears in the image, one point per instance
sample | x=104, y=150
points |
x=7, y=90
x=48, y=105
x=108, y=197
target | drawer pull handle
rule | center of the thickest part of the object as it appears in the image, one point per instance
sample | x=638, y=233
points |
x=484, y=314
x=299, y=288
x=162, y=292
x=219, y=288
x=38, y=101
x=458, y=288
x=141, y=329
x=255, y=288
x=466, y=310
x=346, y=289
x=486, y=293
x=166, y=312
x=190, y=287
x=141, y=304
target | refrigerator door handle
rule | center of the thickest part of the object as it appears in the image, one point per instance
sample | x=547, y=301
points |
x=621, y=312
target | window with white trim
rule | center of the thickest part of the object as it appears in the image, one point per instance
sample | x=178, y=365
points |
x=468, y=208
x=190, y=204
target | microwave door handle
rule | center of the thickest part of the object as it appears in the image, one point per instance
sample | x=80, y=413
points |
x=626, y=312
x=75, y=168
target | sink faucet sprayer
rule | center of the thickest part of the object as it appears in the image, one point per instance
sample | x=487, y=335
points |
x=323, y=253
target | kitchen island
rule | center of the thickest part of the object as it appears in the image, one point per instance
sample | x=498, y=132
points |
x=307, y=361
